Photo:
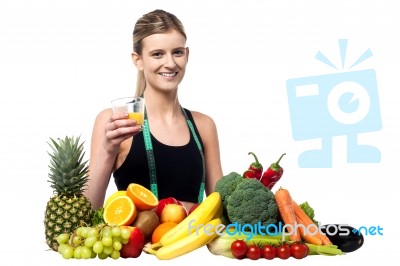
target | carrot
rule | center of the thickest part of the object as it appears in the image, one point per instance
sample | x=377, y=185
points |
x=285, y=207
x=308, y=236
x=307, y=222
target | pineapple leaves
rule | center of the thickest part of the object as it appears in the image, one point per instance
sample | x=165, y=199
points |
x=68, y=172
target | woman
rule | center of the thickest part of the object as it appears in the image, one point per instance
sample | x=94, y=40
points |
x=184, y=142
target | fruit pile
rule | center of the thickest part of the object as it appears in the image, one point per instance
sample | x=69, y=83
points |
x=162, y=224
x=132, y=218
x=128, y=219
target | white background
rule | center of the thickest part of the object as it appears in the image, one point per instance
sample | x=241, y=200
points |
x=61, y=62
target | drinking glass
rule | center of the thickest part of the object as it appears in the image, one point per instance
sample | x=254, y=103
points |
x=134, y=106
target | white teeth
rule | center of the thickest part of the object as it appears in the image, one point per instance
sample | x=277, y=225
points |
x=168, y=74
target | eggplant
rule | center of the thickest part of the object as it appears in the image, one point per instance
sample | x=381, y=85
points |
x=345, y=237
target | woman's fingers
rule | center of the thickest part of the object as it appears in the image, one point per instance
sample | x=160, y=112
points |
x=120, y=120
x=119, y=128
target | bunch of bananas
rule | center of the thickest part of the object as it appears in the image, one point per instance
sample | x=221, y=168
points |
x=196, y=230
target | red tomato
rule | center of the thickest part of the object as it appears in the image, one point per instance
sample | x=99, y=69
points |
x=268, y=252
x=239, y=249
x=298, y=250
x=253, y=252
x=283, y=251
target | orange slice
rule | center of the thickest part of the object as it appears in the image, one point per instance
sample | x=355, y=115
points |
x=142, y=197
x=160, y=230
x=113, y=195
x=120, y=211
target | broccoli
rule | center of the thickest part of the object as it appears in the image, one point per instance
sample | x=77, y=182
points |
x=251, y=202
x=226, y=185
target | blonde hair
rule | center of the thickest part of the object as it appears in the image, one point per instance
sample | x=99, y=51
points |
x=157, y=21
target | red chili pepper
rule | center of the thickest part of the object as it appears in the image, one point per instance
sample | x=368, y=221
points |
x=255, y=169
x=273, y=174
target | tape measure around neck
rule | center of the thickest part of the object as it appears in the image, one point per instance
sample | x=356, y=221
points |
x=151, y=161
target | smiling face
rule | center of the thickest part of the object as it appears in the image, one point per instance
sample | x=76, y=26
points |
x=163, y=60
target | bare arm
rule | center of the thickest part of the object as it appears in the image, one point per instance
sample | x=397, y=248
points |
x=109, y=131
x=209, y=135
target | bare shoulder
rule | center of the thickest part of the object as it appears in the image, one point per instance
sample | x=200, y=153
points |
x=203, y=121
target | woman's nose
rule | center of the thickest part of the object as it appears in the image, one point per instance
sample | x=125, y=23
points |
x=169, y=61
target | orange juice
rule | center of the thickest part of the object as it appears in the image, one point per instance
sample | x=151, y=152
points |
x=139, y=117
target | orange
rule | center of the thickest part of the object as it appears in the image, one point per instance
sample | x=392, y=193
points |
x=120, y=211
x=143, y=198
x=113, y=195
x=160, y=230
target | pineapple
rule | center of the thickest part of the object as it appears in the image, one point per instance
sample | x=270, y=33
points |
x=68, y=208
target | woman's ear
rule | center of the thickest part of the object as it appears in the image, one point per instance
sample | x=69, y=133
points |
x=137, y=60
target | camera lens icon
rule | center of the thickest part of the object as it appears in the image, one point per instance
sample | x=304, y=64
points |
x=348, y=102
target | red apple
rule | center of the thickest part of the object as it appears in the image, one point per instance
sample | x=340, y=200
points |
x=173, y=213
x=163, y=202
x=135, y=245
x=193, y=208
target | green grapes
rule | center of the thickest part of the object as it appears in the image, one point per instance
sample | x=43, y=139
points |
x=102, y=241
x=98, y=247
x=125, y=233
x=117, y=245
x=62, y=238
x=116, y=231
x=107, y=241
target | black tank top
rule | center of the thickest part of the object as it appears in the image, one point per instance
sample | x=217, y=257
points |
x=179, y=168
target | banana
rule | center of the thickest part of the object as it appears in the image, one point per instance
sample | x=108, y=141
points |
x=206, y=211
x=219, y=212
x=195, y=240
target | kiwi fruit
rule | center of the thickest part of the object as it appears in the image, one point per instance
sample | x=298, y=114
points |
x=147, y=221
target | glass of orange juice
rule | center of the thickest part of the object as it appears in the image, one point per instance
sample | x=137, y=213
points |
x=134, y=106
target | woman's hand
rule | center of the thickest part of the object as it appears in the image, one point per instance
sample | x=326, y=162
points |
x=109, y=131
x=119, y=128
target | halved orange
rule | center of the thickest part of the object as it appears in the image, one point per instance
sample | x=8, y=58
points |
x=160, y=230
x=142, y=197
x=120, y=211
x=113, y=195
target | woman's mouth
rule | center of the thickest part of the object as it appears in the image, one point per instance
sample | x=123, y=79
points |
x=168, y=74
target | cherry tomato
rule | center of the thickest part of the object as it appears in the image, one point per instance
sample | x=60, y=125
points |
x=298, y=250
x=253, y=252
x=239, y=249
x=268, y=252
x=283, y=251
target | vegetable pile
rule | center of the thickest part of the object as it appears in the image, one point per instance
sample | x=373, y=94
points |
x=249, y=205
